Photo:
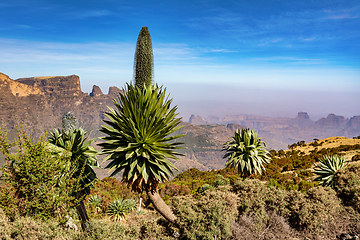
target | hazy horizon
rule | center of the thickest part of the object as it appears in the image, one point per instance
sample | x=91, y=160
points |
x=225, y=100
x=268, y=58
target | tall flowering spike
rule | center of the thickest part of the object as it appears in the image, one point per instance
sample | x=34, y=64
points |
x=143, y=61
x=69, y=122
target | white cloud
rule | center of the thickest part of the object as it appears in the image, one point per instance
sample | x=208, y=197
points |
x=342, y=13
x=81, y=14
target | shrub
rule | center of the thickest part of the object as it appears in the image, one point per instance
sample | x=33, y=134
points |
x=314, y=209
x=109, y=231
x=109, y=189
x=347, y=185
x=256, y=198
x=38, y=182
x=174, y=190
x=25, y=228
x=207, y=216
x=4, y=226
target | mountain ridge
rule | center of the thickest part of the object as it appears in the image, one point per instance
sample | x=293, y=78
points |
x=45, y=100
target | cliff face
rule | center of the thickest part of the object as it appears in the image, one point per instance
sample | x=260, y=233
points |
x=354, y=123
x=55, y=86
x=96, y=91
x=18, y=89
x=38, y=103
x=332, y=121
x=198, y=120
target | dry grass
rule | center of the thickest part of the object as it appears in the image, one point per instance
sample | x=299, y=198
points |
x=331, y=142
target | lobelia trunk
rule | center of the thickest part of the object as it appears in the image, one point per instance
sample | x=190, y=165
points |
x=161, y=206
x=81, y=211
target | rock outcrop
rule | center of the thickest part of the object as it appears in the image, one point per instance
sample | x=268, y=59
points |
x=96, y=91
x=233, y=127
x=55, y=86
x=352, y=127
x=332, y=121
x=302, y=116
x=38, y=103
x=18, y=89
x=114, y=90
x=354, y=123
x=198, y=120
x=302, y=120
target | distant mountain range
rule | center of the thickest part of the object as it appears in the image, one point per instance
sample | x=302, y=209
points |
x=281, y=132
x=38, y=103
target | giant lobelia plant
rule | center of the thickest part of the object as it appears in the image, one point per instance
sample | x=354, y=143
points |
x=138, y=141
x=327, y=168
x=74, y=142
x=246, y=152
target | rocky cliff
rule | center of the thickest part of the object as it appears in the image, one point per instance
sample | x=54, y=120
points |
x=39, y=102
x=55, y=86
x=198, y=120
x=17, y=89
x=332, y=121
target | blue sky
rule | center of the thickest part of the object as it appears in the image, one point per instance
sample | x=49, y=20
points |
x=270, y=58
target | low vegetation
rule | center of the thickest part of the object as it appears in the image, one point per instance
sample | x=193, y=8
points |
x=219, y=204
x=259, y=195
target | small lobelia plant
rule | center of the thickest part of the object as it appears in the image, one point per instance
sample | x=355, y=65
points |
x=246, y=152
x=96, y=202
x=220, y=181
x=327, y=168
x=73, y=141
x=204, y=187
x=118, y=208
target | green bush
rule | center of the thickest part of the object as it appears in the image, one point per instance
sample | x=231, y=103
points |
x=109, y=189
x=256, y=198
x=109, y=231
x=39, y=183
x=220, y=181
x=312, y=210
x=26, y=228
x=347, y=185
x=4, y=225
x=206, y=216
